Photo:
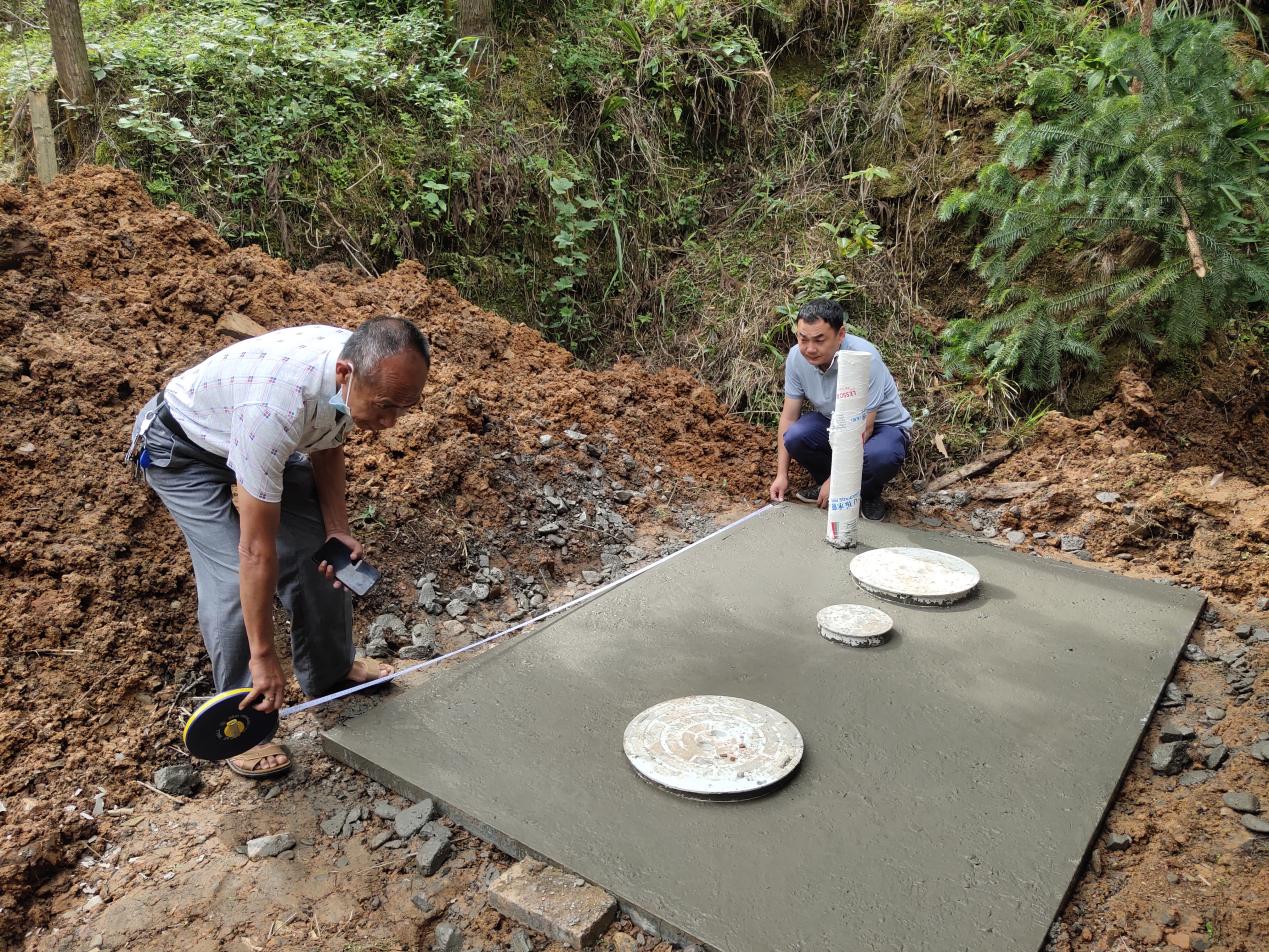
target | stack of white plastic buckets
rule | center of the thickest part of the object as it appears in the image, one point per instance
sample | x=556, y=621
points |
x=845, y=437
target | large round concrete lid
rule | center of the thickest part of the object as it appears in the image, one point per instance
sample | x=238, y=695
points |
x=860, y=626
x=713, y=746
x=923, y=576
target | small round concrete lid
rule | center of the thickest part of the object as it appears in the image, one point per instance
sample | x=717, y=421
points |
x=921, y=576
x=860, y=626
x=713, y=747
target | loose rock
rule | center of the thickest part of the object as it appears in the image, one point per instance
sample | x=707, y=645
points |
x=1256, y=824
x=1171, y=758
x=1072, y=543
x=546, y=900
x=1016, y=537
x=334, y=825
x=1107, y=497
x=433, y=854
x=1173, y=696
x=1242, y=801
x=388, y=627
x=1118, y=842
x=408, y=822
x=179, y=780
x=520, y=941
x=448, y=938
x=1172, y=732
x=1215, y=757
x=385, y=810
x=377, y=648
x=264, y=847
x=1195, y=653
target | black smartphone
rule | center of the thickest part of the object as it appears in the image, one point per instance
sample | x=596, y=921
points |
x=358, y=577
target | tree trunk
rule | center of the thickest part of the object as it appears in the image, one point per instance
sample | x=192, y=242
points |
x=1147, y=25
x=474, y=18
x=1191, y=236
x=70, y=54
x=1147, y=16
x=43, y=144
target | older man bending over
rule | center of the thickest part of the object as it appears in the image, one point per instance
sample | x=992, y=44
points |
x=269, y=416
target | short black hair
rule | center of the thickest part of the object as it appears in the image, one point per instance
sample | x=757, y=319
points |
x=823, y=309
x=381, y=337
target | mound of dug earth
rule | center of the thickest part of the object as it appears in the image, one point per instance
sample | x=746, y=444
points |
x=1126, y=487
x=519, y=465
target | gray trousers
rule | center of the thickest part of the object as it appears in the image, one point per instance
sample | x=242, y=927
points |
x=196, y=487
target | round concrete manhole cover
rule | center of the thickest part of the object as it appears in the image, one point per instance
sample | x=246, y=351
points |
x=921, y=576
x=713, y=747
x=860, y=626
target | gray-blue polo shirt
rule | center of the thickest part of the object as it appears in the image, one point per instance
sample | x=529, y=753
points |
x=803, y=380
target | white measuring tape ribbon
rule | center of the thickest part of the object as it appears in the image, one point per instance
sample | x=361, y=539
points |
x=609, y=586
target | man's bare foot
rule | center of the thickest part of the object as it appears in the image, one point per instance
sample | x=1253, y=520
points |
x=366, y=669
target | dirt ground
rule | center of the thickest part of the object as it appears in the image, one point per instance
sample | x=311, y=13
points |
x=103, y=298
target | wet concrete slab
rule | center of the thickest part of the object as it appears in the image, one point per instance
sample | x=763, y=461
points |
x=953, y=777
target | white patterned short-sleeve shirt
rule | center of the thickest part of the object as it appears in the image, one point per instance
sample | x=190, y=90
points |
x=258, y=401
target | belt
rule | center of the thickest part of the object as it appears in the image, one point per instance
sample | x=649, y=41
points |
x=164, y=416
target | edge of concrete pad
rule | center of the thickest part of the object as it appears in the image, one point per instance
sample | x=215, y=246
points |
x=514, y=848
x=1145, y=726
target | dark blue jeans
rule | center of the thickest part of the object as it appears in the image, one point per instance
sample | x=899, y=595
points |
x=884, y=453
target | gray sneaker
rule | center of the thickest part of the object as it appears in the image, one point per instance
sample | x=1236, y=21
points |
x=874, y=510
x=809, y=494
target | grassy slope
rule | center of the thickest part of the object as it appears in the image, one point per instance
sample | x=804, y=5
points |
x=628, y=177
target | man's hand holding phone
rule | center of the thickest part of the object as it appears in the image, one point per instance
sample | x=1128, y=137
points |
x=340, y=560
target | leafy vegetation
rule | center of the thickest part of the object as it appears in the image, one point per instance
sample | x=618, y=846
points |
x=1160, y=190
x=673, y=177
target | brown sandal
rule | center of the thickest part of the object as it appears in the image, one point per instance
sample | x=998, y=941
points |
x=248, y=764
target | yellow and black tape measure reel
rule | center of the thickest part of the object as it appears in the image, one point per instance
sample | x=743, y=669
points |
x=218, y=730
